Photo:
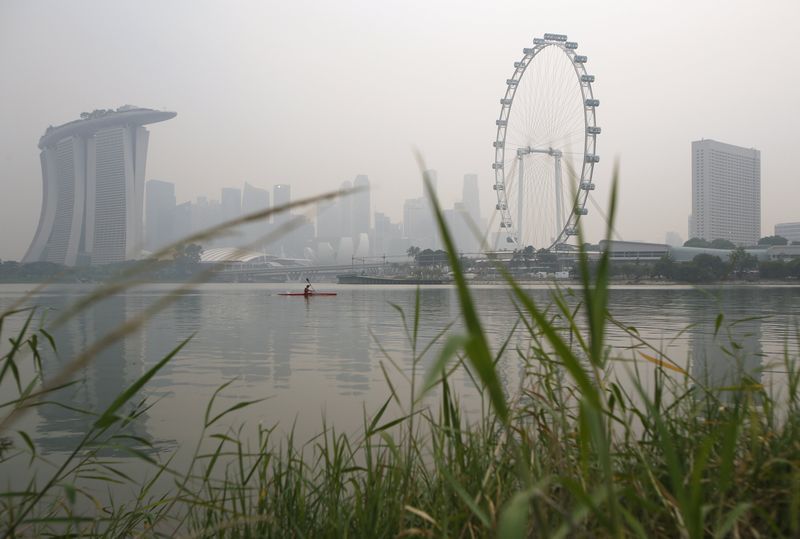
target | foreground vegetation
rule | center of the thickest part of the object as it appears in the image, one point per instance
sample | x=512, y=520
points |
x=569, y=452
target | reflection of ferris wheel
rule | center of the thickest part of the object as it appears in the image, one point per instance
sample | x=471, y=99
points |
x=545, y=146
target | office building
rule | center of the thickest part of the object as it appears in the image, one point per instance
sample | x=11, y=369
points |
x=159, y=219
x=231, y=203
x=470, y=198
x=93, y=187
x=790, y=231
x=726, y=193
x=254, y=200
x=361, y=206
x=281, y=194
x=387, y=236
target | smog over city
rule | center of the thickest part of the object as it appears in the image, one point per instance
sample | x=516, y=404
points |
x=313, y=94
x=394, y=269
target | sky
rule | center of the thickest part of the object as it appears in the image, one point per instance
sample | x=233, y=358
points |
x=312, y=93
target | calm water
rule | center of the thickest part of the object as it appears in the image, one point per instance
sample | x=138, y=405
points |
x=320, y=357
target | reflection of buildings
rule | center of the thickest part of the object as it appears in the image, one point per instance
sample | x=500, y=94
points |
x=108, y=375
x=732, y=355
x=93, y=187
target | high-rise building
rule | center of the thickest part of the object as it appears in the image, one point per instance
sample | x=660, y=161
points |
x=328, y=222
x=281, y=194
x=418, y=226
x=387, y=236
x=726, y=192
x=231, y=203
x=93, y=173
x=361, y=206
x=345, y=205
x=790, y=231
x=159, y=210
x=182, y=222
x=470, y=197
x=255, y=199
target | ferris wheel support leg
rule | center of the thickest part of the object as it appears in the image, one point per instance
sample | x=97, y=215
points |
x=519, y=199
x=559, y=196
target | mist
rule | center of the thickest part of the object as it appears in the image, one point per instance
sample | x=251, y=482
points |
x=312, y=94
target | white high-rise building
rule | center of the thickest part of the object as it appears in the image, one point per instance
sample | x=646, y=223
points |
x=93, y=173
x=726, y=193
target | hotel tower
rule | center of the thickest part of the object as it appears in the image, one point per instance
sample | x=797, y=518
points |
x=726, y=193
x=93, y=187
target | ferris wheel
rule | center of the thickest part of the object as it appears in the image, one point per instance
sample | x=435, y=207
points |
x=545, y=146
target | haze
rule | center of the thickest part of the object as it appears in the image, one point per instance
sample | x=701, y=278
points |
x=314, y=93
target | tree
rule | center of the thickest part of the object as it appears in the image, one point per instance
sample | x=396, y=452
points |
x=773, y=240
x=188, y=254
x=528, y=252
x=413, y=252
x=696, y=242
x=711, y=267
x=664, y=267
x=742, y=261
x=722, y=244
x=773, y=269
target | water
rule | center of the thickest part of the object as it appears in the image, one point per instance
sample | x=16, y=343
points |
x=326, y=356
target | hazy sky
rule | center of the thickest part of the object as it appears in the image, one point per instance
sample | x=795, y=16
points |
x=313, y=93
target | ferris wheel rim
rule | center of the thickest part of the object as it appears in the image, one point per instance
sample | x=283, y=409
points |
x=590, y=132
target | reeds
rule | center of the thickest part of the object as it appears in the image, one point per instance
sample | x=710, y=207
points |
x=571, y=451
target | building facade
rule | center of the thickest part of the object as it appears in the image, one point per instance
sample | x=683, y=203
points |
x=93, y=173
x=790, y=231
x=726, y=193
x=159, y=210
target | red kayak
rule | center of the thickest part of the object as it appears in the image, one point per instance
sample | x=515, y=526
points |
x=310, y=294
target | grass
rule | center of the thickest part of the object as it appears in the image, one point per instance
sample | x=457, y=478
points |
x=571, y=451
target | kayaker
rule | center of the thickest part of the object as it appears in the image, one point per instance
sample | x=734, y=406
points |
x=308, y=290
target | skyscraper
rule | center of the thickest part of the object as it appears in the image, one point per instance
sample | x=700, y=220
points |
x=254, y=200
x=159, y=210
x=345, y=205
x=726, y=192
x=231, y=203
x=93, y=173
x=281, y=194
x=470, y=197
x=361, y=206
x=790, y=231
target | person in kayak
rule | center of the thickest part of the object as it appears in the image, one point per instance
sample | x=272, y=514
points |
x=307, y=290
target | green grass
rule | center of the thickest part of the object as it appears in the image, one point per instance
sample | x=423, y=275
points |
x=571, y=451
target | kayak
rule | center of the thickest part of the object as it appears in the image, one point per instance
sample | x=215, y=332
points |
x=311, y=294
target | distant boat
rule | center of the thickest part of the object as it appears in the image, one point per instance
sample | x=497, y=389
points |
x=354, y=278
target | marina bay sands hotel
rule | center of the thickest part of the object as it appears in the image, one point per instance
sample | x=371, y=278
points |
x=93, y=172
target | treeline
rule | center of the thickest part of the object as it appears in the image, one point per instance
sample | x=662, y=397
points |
x=706, y=268
x=183, y=263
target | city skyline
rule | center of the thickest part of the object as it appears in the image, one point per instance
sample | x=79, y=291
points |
x=378, y=94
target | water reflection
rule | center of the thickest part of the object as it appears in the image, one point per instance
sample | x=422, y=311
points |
x=319, y=354
x=726, y=348
x=113, y=371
